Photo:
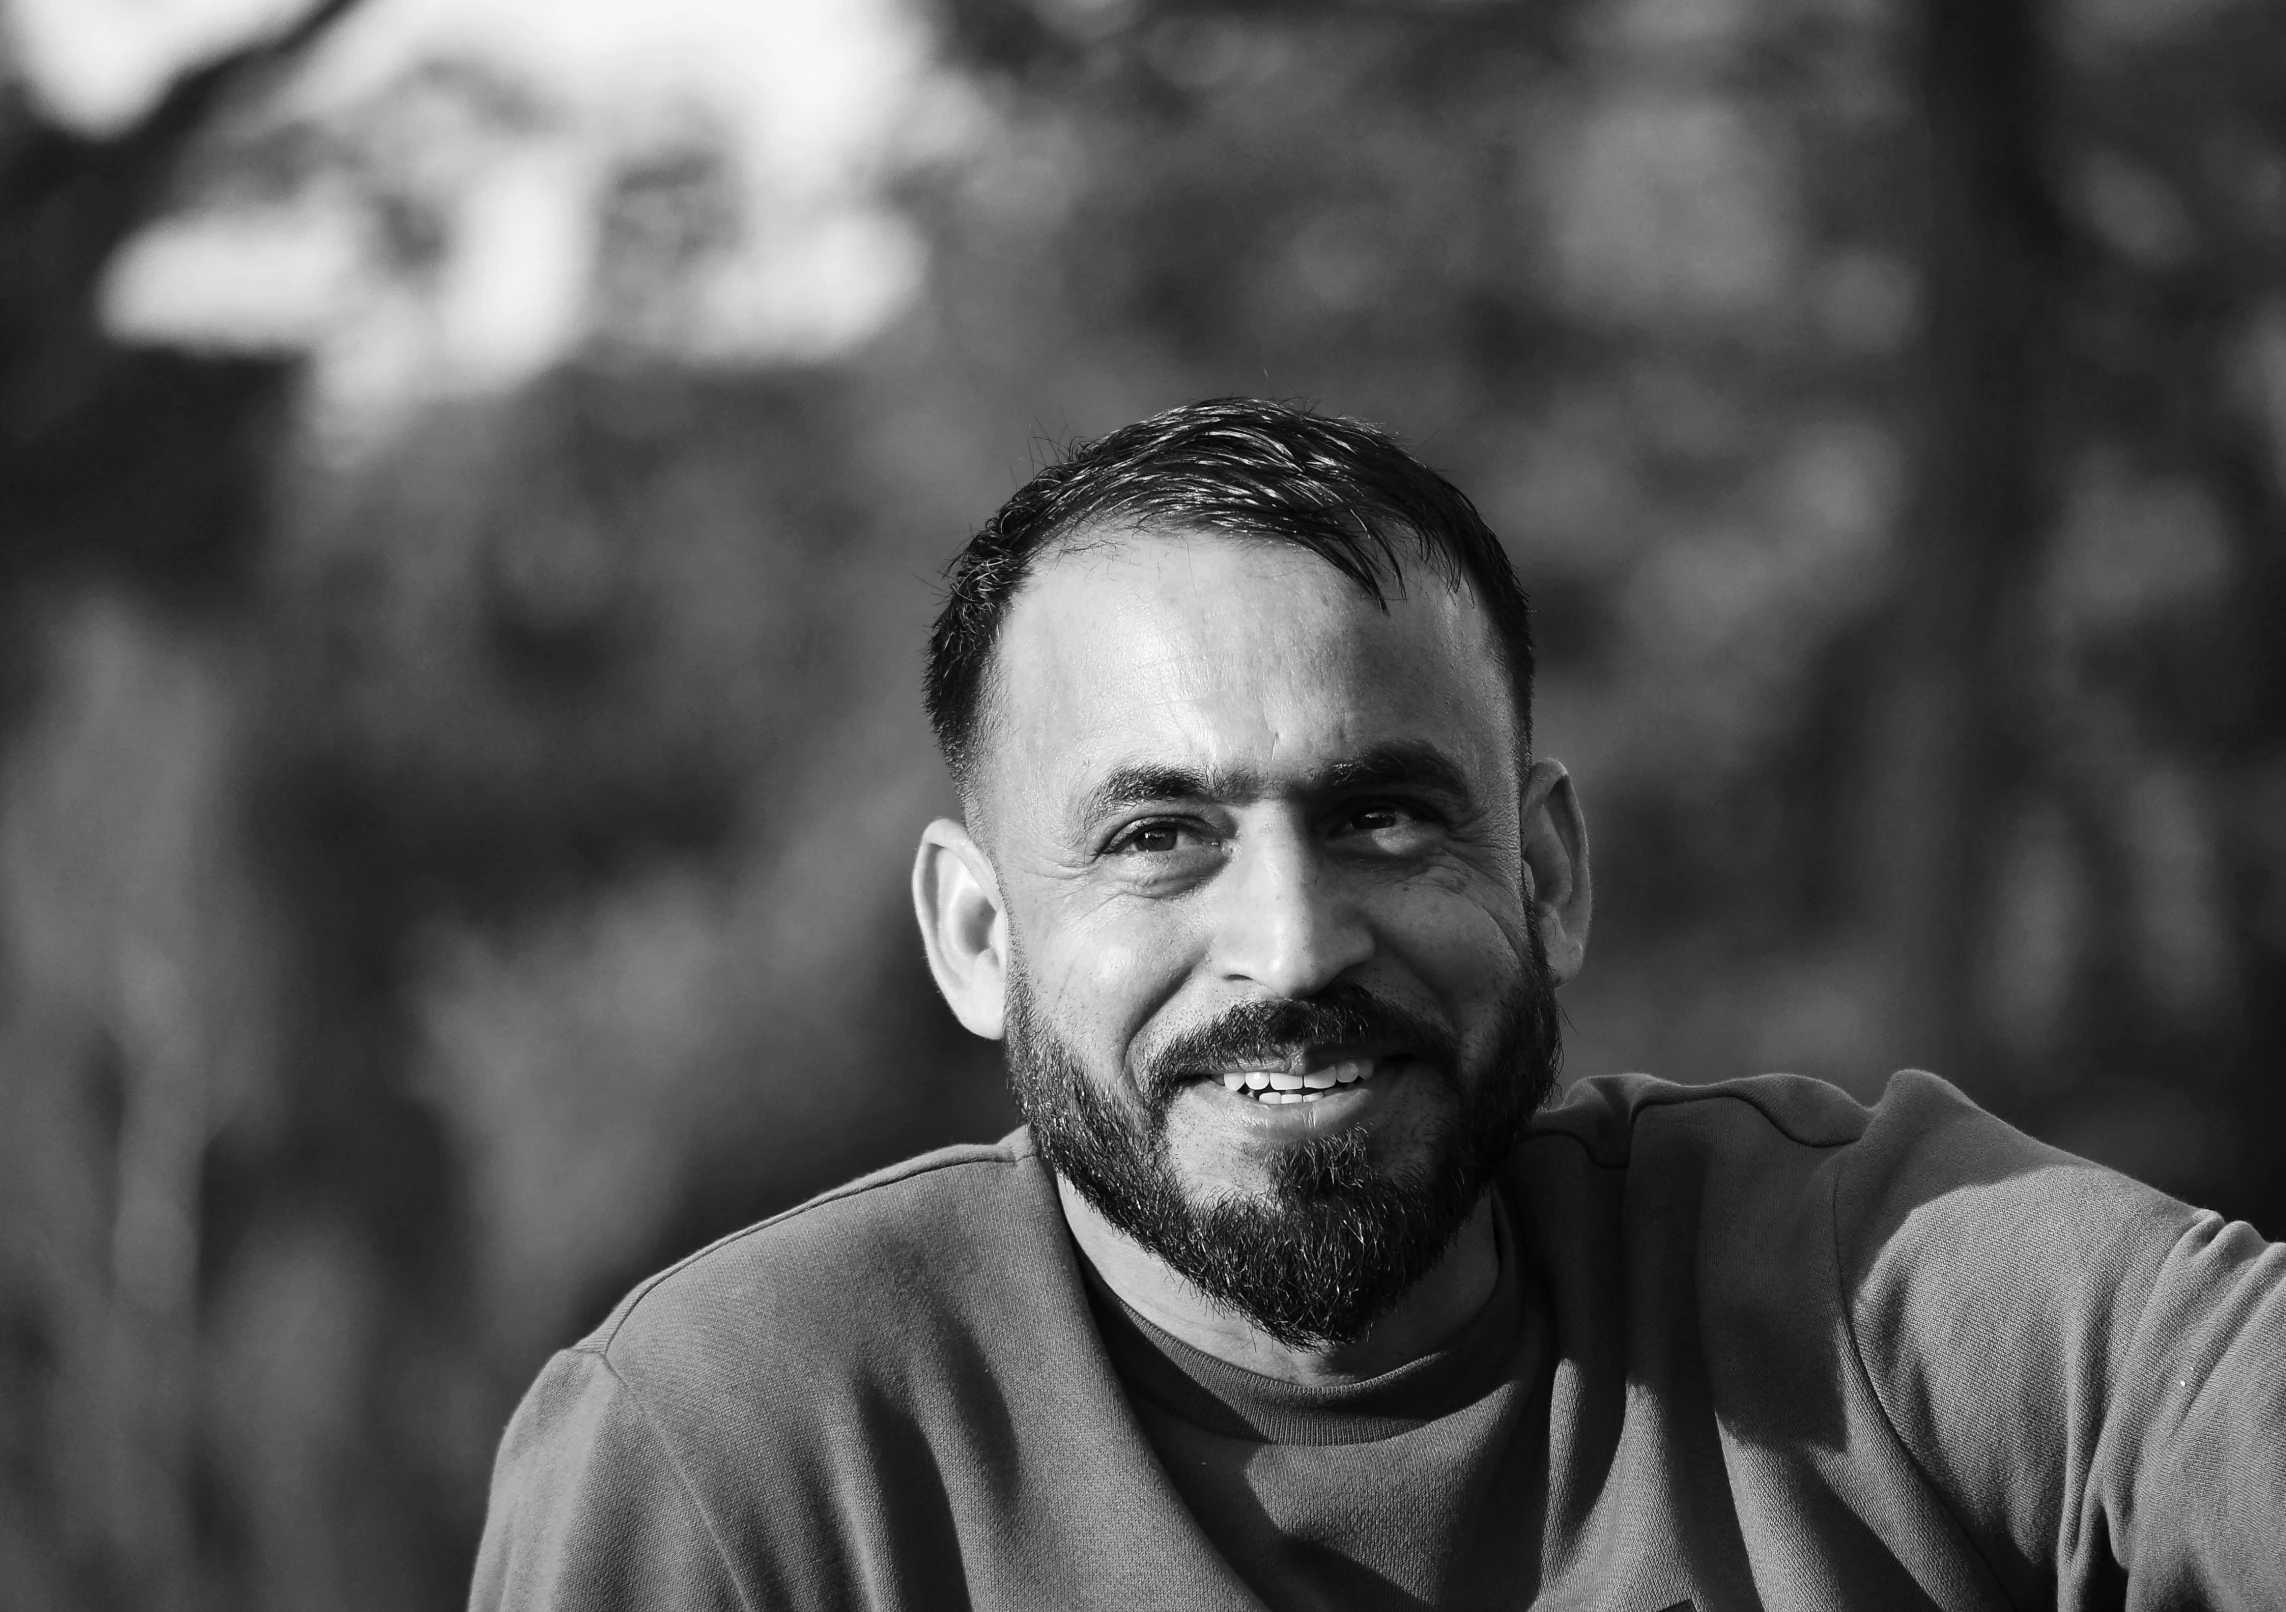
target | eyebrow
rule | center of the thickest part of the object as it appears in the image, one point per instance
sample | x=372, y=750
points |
x=1408, y=764
x=1405, y=764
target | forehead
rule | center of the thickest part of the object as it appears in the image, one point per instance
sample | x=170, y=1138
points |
x=1235, y=655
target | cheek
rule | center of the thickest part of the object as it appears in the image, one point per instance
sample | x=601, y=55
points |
x=1468, y=947
x=1102, y=973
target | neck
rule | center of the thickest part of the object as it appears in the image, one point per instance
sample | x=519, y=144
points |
x=1434, y=1309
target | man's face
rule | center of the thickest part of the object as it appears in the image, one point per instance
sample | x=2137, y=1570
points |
x=1276, y=1004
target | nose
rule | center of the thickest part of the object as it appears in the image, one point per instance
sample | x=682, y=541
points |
x=1283, y=920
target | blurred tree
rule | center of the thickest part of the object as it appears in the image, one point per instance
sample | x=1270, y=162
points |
x=1951, y=695
x=410, y=911
x=124, y=931
x=2152, y=659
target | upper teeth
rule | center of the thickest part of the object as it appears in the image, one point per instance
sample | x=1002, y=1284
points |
x=1281, y=1081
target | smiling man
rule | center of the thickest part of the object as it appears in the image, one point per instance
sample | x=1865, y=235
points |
x=1294, y=1291
x=1260, y=889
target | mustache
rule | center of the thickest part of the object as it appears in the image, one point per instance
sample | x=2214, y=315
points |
x=1248, y=1032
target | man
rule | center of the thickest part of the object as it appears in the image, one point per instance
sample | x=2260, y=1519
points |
x=1291, y=1293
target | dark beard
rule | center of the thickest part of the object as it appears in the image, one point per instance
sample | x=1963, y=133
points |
x=1338, y=1240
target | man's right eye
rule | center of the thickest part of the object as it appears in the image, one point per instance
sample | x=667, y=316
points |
x=1167, y=846
x=1163, y=856
x=1157, y=839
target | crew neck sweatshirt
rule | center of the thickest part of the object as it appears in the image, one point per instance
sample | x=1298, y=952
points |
x=1387, y=1494
x=1797, y=1353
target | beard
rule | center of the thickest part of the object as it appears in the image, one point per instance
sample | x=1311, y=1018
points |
x=1337, y=1239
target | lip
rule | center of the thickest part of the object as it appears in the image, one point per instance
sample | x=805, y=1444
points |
x=1310, y=1059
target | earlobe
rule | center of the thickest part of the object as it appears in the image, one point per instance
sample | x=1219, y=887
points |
x=956, y=898
x=1556, y=850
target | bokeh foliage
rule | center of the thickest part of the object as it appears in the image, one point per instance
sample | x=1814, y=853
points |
x=452, y=865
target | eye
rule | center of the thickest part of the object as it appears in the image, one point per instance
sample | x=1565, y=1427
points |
x=1388, y=827
x=1159, y=837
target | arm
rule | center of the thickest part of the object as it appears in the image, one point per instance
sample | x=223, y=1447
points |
x=589, y=1511
x=2092, y=1374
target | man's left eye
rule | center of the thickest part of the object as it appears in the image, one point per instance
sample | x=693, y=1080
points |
x=1374, y=819
x=1387, y=824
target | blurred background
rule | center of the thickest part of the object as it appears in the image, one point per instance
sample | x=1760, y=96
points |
x=474, y=477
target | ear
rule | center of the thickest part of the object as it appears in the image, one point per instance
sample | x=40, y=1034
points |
x=956, y=897
x=1556, y=850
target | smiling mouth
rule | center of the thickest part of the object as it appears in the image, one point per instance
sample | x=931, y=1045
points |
x=1284, y=1085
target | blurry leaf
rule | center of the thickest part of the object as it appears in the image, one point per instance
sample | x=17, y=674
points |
x=2133, y=547
x=1673, y=206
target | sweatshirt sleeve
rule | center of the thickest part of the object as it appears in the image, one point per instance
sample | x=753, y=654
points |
x=2091, y=1374
x=589, y=1512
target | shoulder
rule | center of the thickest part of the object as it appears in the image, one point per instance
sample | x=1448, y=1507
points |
x=1924, y=1143
x=1610, y=1116
x=1632, y=1172
x=699, y=1445
x=866, y=1271
x=1936, y=1178
x=1907, y=1199
x=1784, y=1158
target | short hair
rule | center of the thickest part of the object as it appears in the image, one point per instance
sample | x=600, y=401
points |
x=1344, y=490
